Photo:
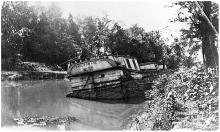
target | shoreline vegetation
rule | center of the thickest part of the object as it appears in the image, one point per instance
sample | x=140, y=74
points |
x=185, y=99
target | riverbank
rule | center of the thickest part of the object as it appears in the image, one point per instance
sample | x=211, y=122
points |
x=34, y=71
x=31, y=75
x=185, y=99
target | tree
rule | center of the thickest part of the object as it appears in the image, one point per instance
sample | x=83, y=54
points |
x=136, y=32
x=156, y=45
x=73, y=30
x=101, y=36
x=176, y=54
x=200, y=28
x=118, y=40
x=17, y=20
x=33, y=33
x=95, y=33
x=135, y=42
x=88, y=28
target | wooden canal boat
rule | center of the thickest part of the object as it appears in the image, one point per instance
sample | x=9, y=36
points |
x=107, y=77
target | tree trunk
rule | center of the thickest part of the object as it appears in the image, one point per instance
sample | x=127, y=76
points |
x=208, y=46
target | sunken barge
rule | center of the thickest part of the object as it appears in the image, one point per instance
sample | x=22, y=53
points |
x=106, y=77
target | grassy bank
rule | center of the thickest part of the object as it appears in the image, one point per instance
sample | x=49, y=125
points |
x=185, y=99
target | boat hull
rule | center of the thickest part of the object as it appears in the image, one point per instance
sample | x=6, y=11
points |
x=122, y=90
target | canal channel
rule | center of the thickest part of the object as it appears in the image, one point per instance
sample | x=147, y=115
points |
x=46, y=98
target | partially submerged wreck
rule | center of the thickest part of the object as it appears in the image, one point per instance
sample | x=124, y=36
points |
x=107, y=77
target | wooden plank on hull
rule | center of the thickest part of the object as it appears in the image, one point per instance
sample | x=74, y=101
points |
x=97, y=78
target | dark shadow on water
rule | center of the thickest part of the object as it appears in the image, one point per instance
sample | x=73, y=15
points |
x=133, y=100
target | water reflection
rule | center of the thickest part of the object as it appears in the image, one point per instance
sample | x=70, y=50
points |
x=47, y=98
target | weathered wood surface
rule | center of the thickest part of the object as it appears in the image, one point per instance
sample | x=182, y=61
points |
x=126, y=89
x=91, y=66
x=88, y=80
x=99, y=64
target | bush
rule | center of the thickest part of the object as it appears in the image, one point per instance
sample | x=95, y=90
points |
x=193, y=90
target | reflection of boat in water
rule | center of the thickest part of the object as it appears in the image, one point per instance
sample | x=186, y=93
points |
x=107, y=77
x=105, y=116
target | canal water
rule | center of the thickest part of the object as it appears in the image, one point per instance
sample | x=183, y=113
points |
x=46, y=98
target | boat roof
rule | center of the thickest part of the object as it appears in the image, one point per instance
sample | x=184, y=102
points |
x=95, y=58
x=147, y=63
x=125, y=56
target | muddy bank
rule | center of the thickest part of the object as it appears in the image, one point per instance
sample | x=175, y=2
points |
x=31, y=75
x=34, y=71
x=46, y=122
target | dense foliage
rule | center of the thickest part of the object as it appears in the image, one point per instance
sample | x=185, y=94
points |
x=200, y=29
x=184, y=98
x=39, y=34
x=196, y=91
x=32, y=33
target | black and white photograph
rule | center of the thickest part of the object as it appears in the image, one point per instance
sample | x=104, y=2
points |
x=110, y=65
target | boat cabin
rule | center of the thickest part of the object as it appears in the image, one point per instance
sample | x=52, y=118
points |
x=126, y=61
x=148, y=66
x=101, y=63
